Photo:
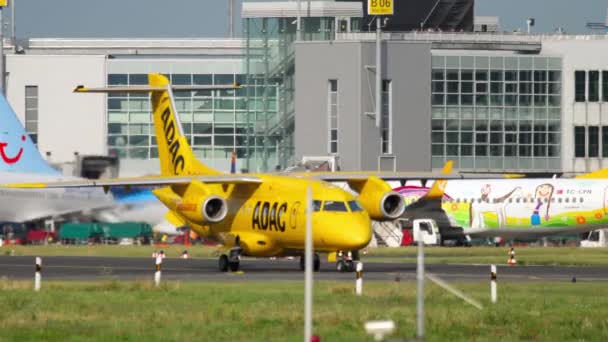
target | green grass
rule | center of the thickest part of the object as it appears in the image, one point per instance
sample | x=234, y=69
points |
x=273, y=311
x=564, y=256
x=484, y=255
x=197, y=251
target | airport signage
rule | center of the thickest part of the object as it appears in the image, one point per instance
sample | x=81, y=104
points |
x=380, y=7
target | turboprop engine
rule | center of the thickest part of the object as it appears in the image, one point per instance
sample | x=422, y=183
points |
x=196, y=203
x=213, y=209
x=378, y=199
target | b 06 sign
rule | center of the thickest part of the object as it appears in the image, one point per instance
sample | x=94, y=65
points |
x=380, y=7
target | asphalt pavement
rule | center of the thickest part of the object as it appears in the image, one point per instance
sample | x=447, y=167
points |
x=101, y=268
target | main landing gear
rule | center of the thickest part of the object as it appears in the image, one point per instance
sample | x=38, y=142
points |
x=232, y=260
x=316, y=262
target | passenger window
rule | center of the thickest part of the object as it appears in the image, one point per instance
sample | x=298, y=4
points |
x=316, y=205
x=574, y=200
x=334, y=206
x=581, y=199
x=559, y=200
x=355, y=206
x=567, y=200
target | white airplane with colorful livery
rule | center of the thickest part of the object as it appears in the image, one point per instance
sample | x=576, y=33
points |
x=20, y=161
x=512, y=208
x=260, y=215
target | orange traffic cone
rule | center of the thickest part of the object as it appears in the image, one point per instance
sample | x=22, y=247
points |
x=512, y=261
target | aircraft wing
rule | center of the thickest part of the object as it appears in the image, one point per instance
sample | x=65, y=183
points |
x=140, y=181
x=388, y=176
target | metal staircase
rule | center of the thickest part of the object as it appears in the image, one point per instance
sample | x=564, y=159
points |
x=387, y=234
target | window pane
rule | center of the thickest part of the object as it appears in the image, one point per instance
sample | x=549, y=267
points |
x=593, y=141
x=31, y=91
x=604, y=141
x=605, y=86
x=334, y=206
x=138, y=79
x=594, y=89
x=579, y=86
x=579, y=141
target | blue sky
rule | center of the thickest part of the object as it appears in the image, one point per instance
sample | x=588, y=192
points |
x=209, y=18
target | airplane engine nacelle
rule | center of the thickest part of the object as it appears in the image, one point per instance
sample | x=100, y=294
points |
x=213, y=209
x=378, y=199
x=197, y=203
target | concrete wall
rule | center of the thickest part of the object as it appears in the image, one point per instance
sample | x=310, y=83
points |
x=67, y=122
x=408, y=65
x=579, y=54
x=316, y=64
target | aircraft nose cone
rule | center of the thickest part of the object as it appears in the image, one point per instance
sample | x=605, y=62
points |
x=362, y=233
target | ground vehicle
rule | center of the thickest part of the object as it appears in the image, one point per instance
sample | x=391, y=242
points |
x=426, y=230
x=596, y=238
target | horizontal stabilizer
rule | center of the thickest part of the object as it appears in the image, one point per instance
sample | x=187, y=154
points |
x=140, y=181
x=438, y=188
x=603, y=173
x=149, y=89
x=175, y=219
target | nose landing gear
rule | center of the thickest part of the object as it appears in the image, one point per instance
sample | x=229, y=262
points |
x=345, y=262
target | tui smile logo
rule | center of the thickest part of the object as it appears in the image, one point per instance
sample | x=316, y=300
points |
x=5, y=157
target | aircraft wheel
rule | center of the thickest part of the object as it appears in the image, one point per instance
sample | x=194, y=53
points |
x=234, y=266
x=340, y=266
x=223, y=263
x=316, y=262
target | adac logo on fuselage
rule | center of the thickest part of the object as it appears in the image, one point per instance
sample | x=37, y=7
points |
x=10, y=160
x=267, y=216
x=177, y=160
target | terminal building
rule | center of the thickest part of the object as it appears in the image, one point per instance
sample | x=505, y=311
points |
x=491, y=101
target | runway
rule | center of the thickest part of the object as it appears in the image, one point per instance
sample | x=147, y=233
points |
x=101, y=268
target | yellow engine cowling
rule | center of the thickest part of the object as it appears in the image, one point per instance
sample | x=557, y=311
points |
x=196, y=202
x=378, y=199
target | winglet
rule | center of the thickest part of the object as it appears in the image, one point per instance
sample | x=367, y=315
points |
x=438, y=188
x=603, y=173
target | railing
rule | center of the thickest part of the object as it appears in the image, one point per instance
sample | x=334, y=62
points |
x=388, y=232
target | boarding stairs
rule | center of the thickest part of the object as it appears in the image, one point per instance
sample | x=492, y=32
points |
x=387, y=234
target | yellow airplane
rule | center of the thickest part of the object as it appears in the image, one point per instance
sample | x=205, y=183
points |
x=259, y=215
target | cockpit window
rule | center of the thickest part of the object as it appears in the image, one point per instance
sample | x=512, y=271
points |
x=316, y=205
x=354, y=206
x=334, y=206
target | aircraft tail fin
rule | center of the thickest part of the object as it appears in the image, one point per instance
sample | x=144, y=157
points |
x=603, y=173
x=176, y=156
x=437, y=191
x=18, y=152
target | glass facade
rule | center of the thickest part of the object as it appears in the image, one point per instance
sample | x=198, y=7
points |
x=216, y=122
x=270, y=62
x=496, y=112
